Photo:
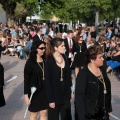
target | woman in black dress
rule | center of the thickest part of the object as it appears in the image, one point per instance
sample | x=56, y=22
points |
x=79, y=60
x=34, y=76
x=93, y=88
x=2, y=99
x=58, y=81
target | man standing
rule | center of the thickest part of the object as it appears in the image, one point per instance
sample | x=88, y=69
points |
x=38, y=36
x=70, y=46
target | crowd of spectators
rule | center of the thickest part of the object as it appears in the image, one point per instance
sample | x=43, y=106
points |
x=17, y=40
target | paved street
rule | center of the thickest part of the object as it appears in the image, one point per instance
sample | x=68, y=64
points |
x=13, y=91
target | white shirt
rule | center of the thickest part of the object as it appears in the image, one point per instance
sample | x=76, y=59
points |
x=70, y=46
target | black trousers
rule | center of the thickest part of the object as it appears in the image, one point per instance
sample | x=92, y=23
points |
x=62, y=111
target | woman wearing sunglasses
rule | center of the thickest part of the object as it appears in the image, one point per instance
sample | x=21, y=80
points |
x=34, y=77
x=79, y=60
x=58, y=81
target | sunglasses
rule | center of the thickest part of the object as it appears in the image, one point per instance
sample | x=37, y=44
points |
x=42, y=48
x=81, y=36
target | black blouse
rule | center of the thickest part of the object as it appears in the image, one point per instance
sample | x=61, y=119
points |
x=33, y=76
x=57, y=91
x=81, y=47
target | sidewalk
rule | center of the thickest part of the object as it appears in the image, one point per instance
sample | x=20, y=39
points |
x=13, y=91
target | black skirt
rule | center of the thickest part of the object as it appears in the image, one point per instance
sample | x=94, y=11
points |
x=2, y=99
x=39, y=101
x=79, y=60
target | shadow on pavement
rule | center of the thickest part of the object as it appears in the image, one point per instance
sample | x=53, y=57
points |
x=14, y=104
x=8, y=65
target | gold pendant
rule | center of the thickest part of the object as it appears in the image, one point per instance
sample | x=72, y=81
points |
x=61, y=79
x=105, y=91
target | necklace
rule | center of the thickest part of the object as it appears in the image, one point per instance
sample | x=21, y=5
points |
x=80, y=45
x=103, y=82
x=61, y=71
x=42, y=70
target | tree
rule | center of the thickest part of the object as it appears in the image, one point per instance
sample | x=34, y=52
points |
x=82, y=9
x=17, y=9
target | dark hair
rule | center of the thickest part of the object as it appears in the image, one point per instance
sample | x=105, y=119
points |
x=39, y=29
x=92, y=52
x=33, y=51
x=77, y=38
x=101, y=38
x=55, y=42
x=69, y=31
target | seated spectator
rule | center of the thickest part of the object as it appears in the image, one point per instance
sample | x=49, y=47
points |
x=25, y=50
x=109, y=33
x=90, y=41
x=13, y=45
x=115, y=59
x=5, y=43
x=112, y=47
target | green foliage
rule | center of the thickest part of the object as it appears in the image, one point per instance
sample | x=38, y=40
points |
x=64, y=9
x=20, y=8
x=83, y=9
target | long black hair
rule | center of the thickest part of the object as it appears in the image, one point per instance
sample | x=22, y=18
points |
x=33, y=51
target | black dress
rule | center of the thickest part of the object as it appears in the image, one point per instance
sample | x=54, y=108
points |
x=2, y=99
x=34, y=77
x=79, y=60
x=58, y=91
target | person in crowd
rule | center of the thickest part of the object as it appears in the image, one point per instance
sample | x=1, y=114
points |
x=93, y=88
x=51, y=33
x=90, y=41
x=93, y=32
x=34, y=77
x=43, y=29
x=65, y=27
x=112, y=48
x=2, y=99
x=117, y=40
x=79, y=60
x=115, y=59
x=6, y=43
x=23, y=52
x=38, y=36
x=61, y=27
x=32, y=32
x=70, y=46
x=59, y=35
x=109, y=33
x=102, y=43
x=83, y=33
x=58, y=81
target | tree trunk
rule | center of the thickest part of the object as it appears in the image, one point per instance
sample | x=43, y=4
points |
x=96, y=20
x=10, y=22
